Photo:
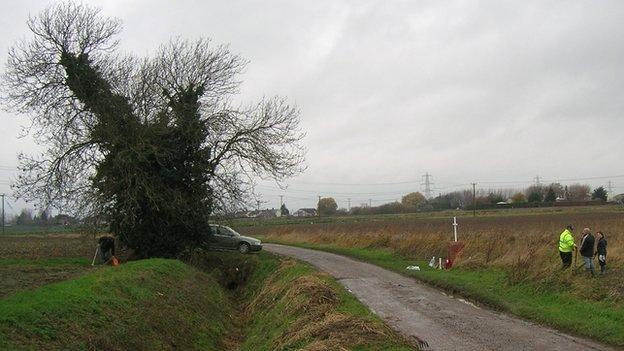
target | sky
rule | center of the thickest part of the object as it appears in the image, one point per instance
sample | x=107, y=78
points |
x=490, y=92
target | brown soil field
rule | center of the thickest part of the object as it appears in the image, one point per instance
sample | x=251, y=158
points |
x=28, y=262
x=50, y=246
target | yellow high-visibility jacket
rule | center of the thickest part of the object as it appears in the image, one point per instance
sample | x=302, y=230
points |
x=566, y=241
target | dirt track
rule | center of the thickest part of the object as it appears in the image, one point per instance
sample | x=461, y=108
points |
x=423, y=313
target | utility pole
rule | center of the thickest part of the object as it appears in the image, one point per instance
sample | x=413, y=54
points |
x=474, y=199
x=318, y=207
x=609, y=189
x=427, y=183
x=370, y=203
x=279, y=210
x=349, y=204
x=2, y=214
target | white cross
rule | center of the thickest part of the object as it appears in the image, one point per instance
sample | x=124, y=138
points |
x=455, y=227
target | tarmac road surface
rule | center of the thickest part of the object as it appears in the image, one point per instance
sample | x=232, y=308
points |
x=426, y=315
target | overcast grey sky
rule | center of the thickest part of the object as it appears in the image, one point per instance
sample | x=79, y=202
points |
x=483, y=91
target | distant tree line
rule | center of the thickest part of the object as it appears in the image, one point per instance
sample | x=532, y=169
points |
x=42, y=218
x=534, y=195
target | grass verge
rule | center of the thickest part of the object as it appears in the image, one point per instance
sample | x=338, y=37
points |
x=553, y=305
x=291, y=306
x=233, y=302
x=145, y=305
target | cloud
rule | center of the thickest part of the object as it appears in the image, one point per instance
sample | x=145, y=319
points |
x=389, y=90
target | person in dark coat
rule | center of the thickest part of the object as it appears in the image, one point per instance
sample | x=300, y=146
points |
x=587, y=250
x=601, y=252
x=107, y=247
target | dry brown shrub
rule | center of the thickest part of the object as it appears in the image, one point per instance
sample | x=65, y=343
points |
x=311, y=301
x=331, y=331
x=526, y=242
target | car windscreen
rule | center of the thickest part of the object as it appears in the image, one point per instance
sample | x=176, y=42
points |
x=227, y=231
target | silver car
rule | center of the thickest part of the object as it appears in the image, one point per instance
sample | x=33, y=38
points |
x=226, y=238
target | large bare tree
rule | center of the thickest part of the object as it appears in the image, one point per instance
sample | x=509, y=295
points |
x=153, y=144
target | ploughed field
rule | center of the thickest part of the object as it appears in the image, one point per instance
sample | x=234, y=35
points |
x=53, y=299
x=31, y=261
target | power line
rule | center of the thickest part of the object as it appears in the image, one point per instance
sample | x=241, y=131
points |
x=334, y=192
x=369, y=197
x=358, y=184
x=480, y=181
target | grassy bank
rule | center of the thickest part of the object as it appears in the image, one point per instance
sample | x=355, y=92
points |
x=547, y=303
x=143, y=305
x=284, y=304
x=290, y=306
x=226, y=302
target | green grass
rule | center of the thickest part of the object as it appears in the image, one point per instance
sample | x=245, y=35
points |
x=165, y=304
x=149, y=304
x=600, y=320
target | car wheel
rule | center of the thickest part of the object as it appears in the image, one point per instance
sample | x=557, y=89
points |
x=243, y=248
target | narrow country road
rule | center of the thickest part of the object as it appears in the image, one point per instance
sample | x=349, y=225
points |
x=421, y=312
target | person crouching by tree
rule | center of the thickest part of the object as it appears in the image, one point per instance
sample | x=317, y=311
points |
x=587, y=250
x=566, y=246
x=107, y=248
x=601, y=251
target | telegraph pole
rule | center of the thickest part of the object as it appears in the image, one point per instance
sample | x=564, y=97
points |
x=537, y=180
x=2, y=214
x=609, y=189
x=370, y=203
x=318, y=207
x=474, y=199
x=349, y=204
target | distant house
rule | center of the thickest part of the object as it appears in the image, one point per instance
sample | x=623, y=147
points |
x=272, y=213
x=305, y=212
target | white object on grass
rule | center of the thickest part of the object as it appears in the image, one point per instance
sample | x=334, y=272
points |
x=440, y=258
x=97, y=248
x=455, y=227
x=432, y=263
x=412, y=268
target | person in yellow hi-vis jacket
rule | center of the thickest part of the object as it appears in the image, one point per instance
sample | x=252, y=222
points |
x=566, y=246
